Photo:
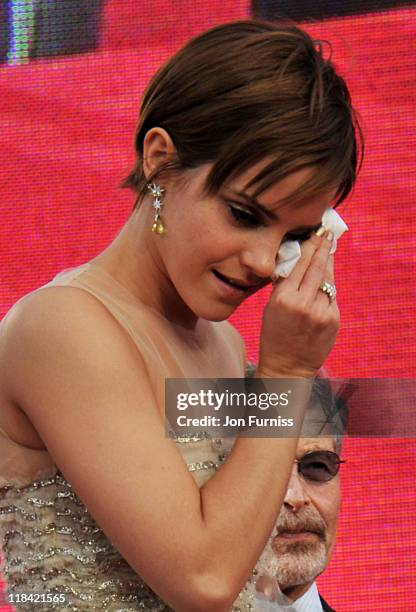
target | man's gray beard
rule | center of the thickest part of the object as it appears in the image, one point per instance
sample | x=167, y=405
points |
x=295, y=563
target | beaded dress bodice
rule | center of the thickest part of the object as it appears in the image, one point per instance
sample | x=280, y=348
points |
x=50, y=542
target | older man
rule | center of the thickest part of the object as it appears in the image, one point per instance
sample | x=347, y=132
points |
x=301, y=546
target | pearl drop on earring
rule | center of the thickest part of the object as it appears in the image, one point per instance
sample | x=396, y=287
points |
x=158, y=227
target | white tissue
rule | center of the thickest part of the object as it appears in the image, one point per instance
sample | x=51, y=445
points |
x=287, y=257
x=289, y=252
x=333, y=222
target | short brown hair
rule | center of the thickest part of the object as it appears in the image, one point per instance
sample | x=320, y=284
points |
x=246, y=91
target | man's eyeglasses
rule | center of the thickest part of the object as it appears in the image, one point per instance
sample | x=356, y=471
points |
x=319, y=465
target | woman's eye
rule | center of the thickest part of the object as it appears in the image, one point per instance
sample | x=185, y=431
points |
x=243, y=217
x=298, y=237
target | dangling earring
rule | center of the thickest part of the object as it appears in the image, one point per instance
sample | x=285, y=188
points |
x=157, y=194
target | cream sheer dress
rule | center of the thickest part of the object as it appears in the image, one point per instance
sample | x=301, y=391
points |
x=50, y=542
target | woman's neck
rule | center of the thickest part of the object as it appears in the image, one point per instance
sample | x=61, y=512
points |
x=133, y=261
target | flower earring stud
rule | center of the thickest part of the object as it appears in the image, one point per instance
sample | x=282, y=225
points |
x=157, y=195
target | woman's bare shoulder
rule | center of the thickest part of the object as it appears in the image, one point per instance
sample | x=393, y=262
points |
x=63, y=310
x=49, y=303
x=52, y=324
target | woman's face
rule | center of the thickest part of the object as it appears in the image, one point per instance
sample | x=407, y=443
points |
x=218, y=250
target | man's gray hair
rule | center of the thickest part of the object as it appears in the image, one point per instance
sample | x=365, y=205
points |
x=327, y=412
x=333, y=407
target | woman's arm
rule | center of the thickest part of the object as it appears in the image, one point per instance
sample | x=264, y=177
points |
x=81, y=381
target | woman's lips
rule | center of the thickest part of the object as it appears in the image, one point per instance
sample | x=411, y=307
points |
x=229, y=287
x=233, y=282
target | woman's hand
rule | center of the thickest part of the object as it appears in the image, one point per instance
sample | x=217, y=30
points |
x=300, y=323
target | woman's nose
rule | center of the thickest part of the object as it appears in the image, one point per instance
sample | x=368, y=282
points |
x=260, y=256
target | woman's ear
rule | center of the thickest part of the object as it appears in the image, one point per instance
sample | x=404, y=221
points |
x=158, y=149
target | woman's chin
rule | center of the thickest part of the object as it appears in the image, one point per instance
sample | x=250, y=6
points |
x=216, y=315
x=213, y=311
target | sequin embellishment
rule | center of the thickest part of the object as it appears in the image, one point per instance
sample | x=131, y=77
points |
x=52, y=544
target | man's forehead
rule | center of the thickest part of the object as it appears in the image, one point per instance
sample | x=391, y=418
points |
x=306, y=445
x=317, y=424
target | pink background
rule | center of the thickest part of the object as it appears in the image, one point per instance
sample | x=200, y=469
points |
x=66, y=137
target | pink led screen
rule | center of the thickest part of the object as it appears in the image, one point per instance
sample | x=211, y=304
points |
x=67, y=124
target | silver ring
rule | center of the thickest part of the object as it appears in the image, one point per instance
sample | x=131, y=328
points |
x=329, y=289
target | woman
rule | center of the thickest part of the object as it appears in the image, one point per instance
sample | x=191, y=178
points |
x=246, y=137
